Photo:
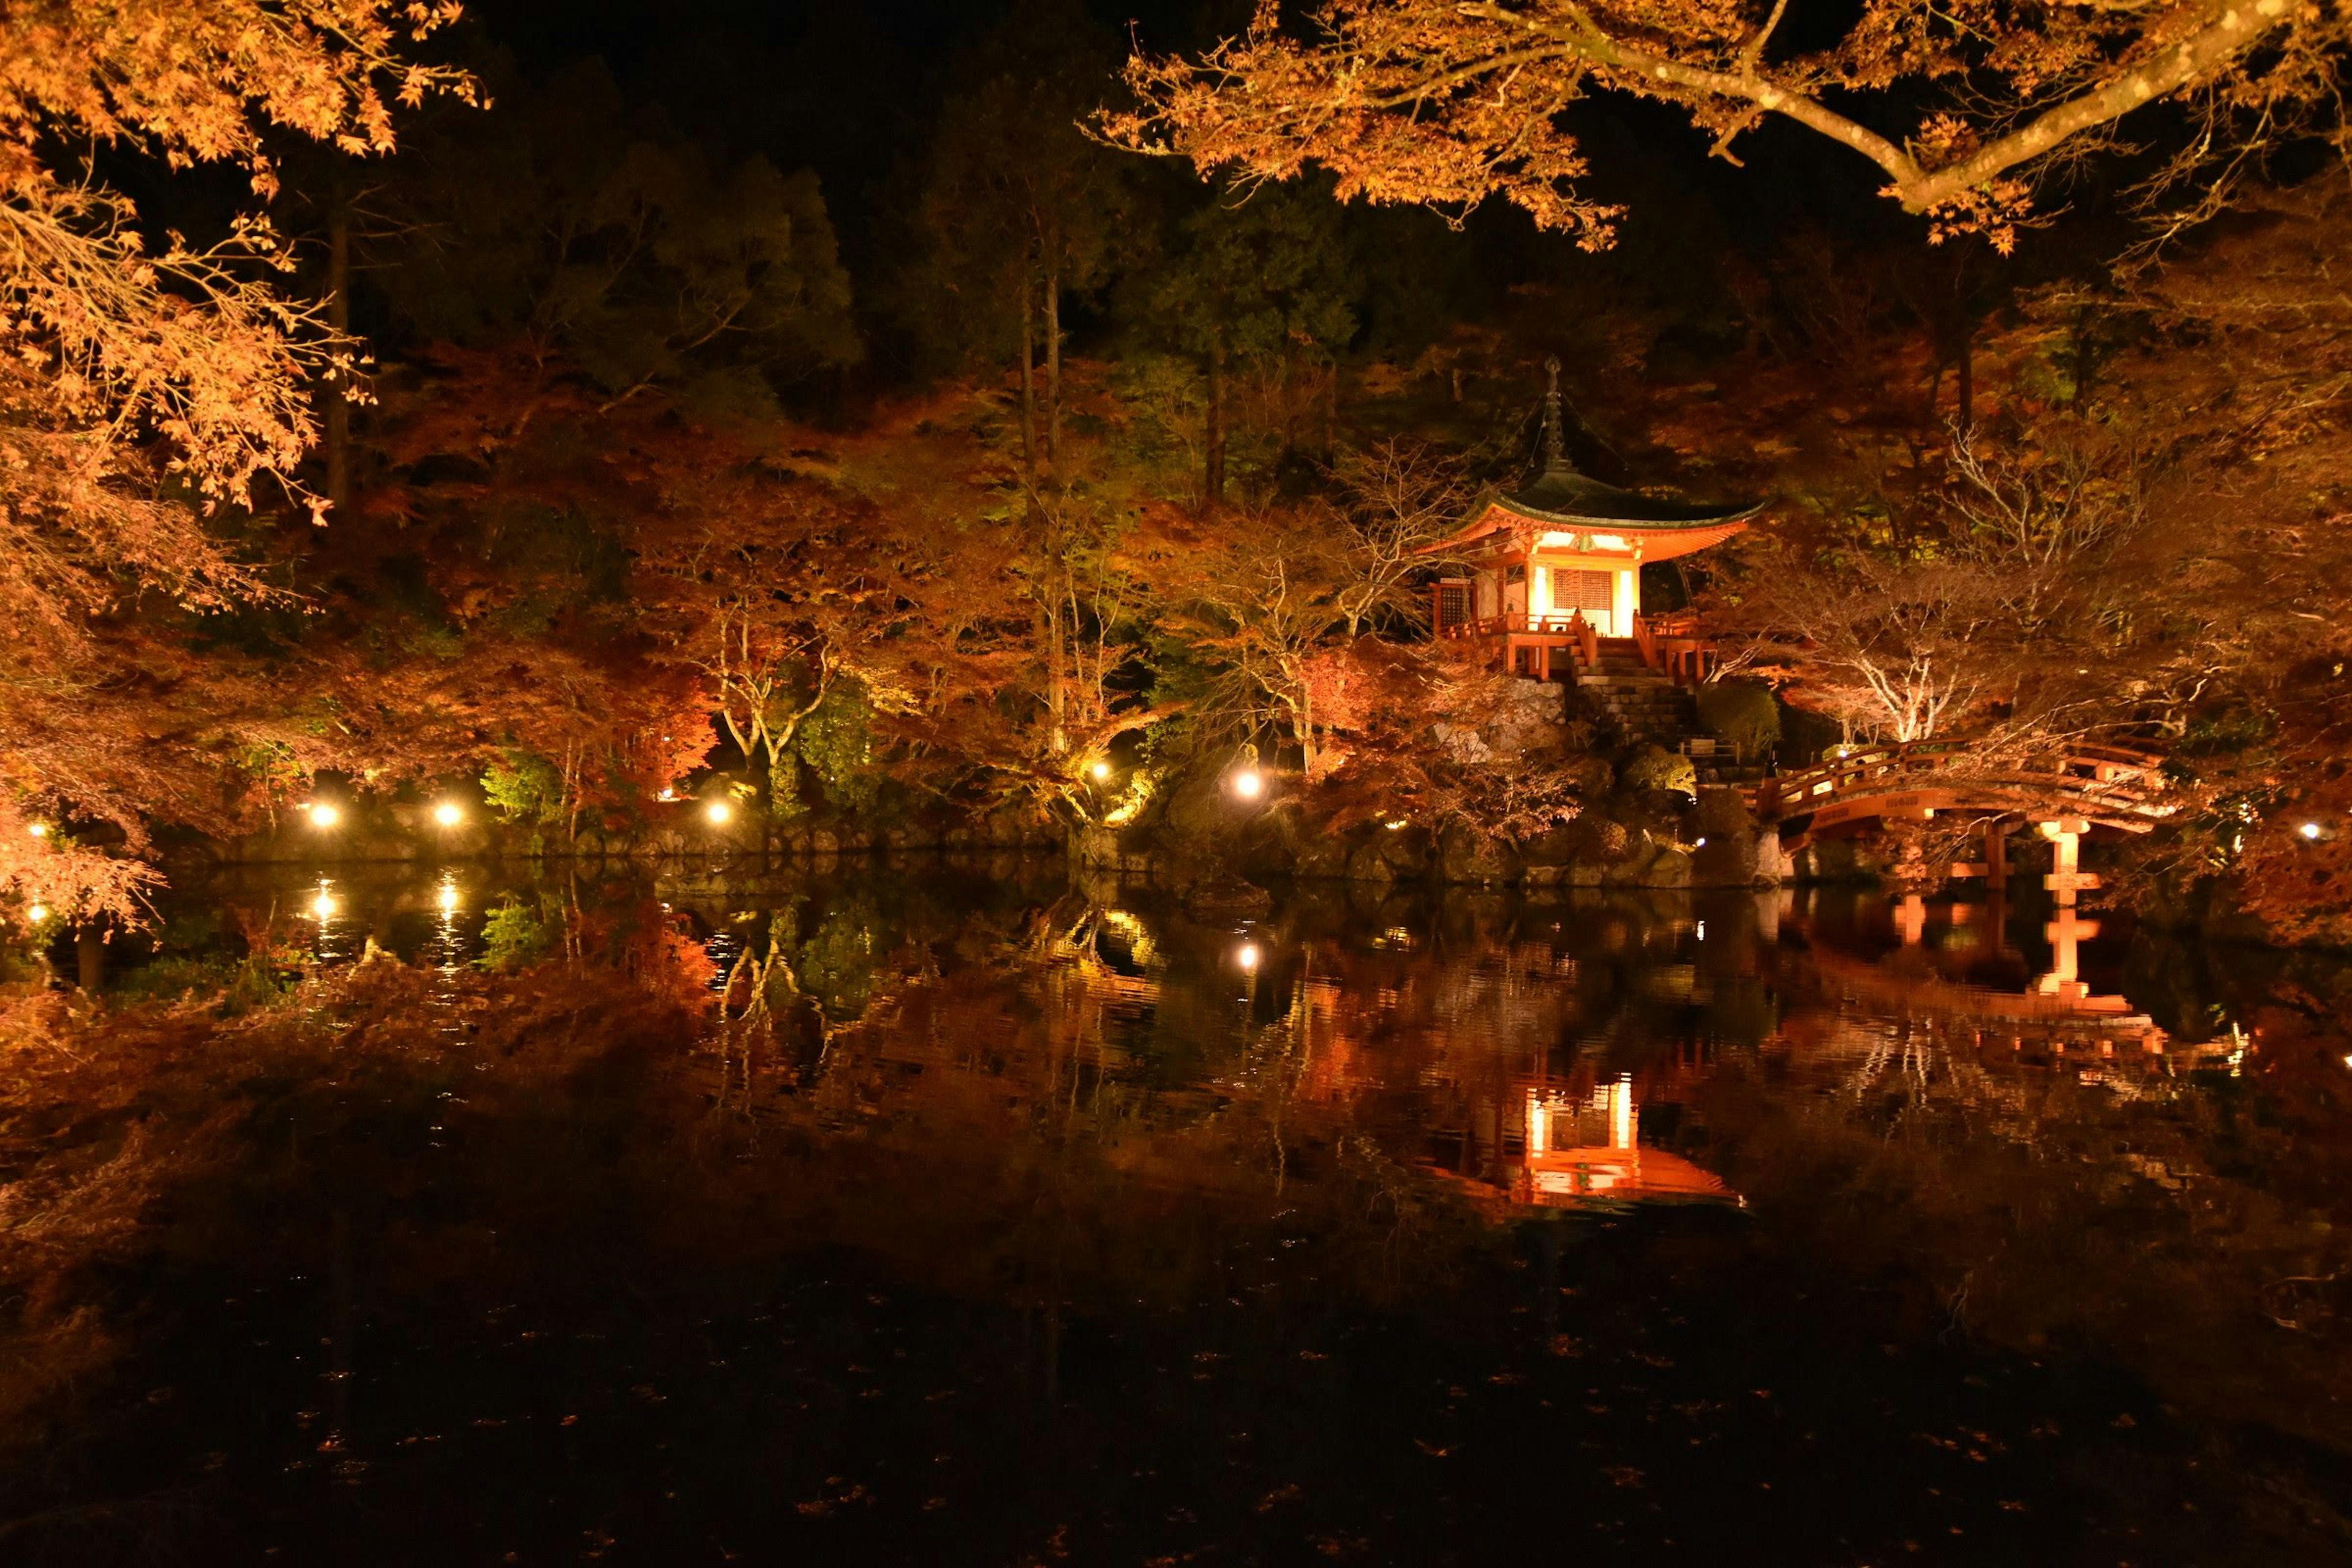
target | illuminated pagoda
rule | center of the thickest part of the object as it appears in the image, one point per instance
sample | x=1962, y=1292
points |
x=1550, y=572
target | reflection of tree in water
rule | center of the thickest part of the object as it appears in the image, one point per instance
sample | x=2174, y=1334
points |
x=1072, y=1107
x=2174, y=1209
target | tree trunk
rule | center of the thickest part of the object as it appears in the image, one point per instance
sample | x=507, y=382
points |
x=1967, y=377
x=1306, y=731
x=2085, y=361
x=1331, y=415
x=1212, y=486
x=1053, y=370
x=1057, y=694
x=1028, y=376
x=339, y=389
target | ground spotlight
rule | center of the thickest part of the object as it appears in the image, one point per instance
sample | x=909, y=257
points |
x=323, y=814
x=36, y=914
x=1101, y=770
x=2310, y=831
x=38, y=830
x=448, y=814
x=718, y=814
x=1249, y=783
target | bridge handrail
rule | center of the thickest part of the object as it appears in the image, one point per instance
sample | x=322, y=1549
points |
x=2103, y=777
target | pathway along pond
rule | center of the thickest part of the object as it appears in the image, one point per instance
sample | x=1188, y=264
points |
x=942, y=1214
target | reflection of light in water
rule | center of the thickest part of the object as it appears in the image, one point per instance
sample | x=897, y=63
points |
x=1139, y=946
x=1247, y=955
x=325, y=909
x=445, y=897
x=723, y=947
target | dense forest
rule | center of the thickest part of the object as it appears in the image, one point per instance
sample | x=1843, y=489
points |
x=623, y=436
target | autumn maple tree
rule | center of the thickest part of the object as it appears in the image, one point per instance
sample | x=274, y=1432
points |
x=151, y=380
x=1447, y=102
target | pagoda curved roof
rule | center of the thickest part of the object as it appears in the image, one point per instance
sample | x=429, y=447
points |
x=1561, y=494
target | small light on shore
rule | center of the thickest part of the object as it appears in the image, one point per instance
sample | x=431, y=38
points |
x=448, y=814
x=1101, y=770
x=1249, y=783
x=2310, y=831
x=323, y=814
x=718, y=814
x=1397, y=826
x=1247, y=956
x=1698, y=843
x=666, y=794
x=36, y=914
x=38, y=830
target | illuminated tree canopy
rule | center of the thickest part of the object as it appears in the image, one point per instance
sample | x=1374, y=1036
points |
x=1447, y=103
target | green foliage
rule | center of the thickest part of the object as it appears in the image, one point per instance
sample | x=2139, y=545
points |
x=836, y=743
x=1742, y=714
x=619, y=240
x=836, y=965
x=515, y=935
x=1654, y=768
x=525, y=787
x=1259, y=278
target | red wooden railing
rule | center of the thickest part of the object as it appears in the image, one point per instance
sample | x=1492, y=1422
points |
x=2110, y=782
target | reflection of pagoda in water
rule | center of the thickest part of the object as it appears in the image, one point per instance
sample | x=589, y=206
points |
x=1574, y=1139
x=1576, y=1147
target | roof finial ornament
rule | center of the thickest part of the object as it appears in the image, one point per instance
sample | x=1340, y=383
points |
x=1555, y=444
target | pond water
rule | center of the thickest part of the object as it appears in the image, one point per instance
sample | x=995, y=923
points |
x=943, y=1212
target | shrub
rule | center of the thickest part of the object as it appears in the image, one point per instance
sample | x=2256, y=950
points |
x=1742, y=714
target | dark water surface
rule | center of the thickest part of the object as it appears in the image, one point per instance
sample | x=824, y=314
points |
x=942, y=1214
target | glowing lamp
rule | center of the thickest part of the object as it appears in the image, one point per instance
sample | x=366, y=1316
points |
x=718, y=814
x=2310, y=831
x=323, y=816
x=1249, y=783
x=1247, y=956
x=1101, y=770
x=448, y=814
x=36, y=914
x=38, y=830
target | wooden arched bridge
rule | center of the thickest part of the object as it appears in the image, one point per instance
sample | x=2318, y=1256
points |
x=2064, y=795
x=2094, y=786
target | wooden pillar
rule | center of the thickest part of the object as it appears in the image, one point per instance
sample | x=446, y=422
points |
x=1996, y=845
x=2066, y=881
x=2066, y=877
